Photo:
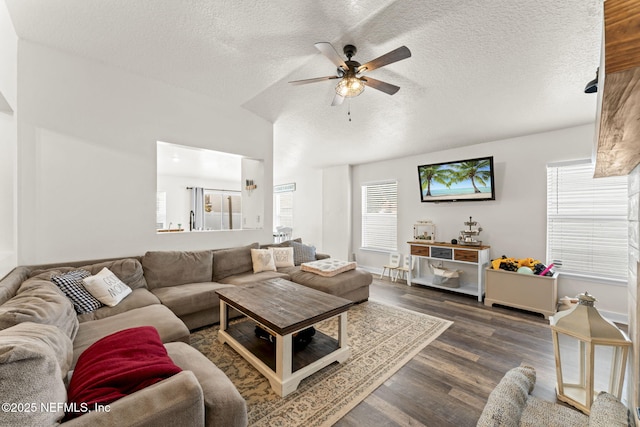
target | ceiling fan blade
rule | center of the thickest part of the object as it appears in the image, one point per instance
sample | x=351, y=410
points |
x=337, y=100
x=387, y=88
x=396, y=55
x=317, y=79
x=330, y=52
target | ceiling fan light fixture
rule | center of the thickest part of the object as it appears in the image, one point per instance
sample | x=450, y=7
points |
x=350, y=87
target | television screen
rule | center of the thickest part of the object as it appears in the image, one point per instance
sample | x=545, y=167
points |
x=470, y=180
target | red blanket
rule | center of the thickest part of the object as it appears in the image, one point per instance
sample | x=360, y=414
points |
x=118, y=365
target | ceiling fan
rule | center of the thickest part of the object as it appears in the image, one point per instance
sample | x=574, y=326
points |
x=350, y=73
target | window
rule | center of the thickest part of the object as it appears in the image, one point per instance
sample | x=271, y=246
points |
x=587, y=222
x=379, y=216
x=283, y=209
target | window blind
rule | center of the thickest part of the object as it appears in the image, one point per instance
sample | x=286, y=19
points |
x=283, y=207
x=379, y=216
x=587, y=222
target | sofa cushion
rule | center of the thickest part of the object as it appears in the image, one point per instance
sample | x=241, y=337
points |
x=250, y=277
x=303, y=253
x=283, y=257
x=171, y=268
x=50, y=335
x=106, y=287
x=285, y=244
x=118, y=365
x=338, y=285
x=228, y=262
x=191, y=297
x=129, y=270
x=160, y=317
x=33, y=361
x=73, y=287
x=140, y=297
x=262, y=260
x=11, y=282
x=40, y=301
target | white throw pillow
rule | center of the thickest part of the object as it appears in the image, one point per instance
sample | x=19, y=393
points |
x=263, y=260
x=106, y=287
x=283, y=256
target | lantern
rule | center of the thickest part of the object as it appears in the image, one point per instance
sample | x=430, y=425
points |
x=590, y=352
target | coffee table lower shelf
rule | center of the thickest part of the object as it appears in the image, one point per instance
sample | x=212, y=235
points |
x=279, y=362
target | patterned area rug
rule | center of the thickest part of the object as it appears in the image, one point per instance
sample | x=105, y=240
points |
x=382, y=339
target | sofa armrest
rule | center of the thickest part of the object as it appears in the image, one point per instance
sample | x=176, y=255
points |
x=607, y=410
x=507, y=401
x=177, y=400
x=224, y=406
x=322, y=256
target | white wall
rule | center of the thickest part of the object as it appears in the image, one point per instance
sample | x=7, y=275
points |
x=336, y=212
x=514, y=224
x=253, y=200
x=307, y=204
x=8, y=143
x=87, y=157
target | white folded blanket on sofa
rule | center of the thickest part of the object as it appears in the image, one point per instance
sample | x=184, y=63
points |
x=328, y=267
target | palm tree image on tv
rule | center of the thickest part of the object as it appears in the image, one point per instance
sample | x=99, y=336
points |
x=463, y=180
x=433, y=173
x=475, y=171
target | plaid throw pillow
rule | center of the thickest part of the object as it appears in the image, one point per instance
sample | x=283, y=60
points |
x=71, y=284
x=303, y=253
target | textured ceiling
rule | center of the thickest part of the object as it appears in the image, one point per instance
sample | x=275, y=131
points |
x=479, y=71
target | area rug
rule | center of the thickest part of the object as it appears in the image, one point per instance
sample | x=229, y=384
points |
x=382, y=339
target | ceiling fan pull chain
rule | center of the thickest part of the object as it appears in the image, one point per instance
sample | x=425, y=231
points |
x=349, y=110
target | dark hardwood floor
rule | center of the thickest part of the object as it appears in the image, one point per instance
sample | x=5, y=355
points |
x=449, y=381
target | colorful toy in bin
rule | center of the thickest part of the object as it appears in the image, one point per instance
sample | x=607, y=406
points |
x=523, y=266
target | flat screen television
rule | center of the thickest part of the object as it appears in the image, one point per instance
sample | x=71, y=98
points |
x=462, y=180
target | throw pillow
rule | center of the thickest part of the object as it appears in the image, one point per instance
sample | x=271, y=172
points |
x=71, y=284
x=263, y=260
x=303, y=253
x=283, y=256
x=118, y=365
x=106, y=287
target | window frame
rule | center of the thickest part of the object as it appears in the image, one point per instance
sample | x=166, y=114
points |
x=368, y=241
x=577, y=212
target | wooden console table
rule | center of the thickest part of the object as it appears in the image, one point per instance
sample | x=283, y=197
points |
x=478, y=256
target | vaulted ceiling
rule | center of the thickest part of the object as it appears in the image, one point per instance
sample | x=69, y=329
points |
x=480, y=70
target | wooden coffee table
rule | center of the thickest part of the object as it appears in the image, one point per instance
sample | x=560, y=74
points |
x=283, y=308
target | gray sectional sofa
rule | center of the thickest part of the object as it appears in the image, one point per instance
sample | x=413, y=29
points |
x=173, y=291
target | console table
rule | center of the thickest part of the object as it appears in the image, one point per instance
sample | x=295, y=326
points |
x=477, y=256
